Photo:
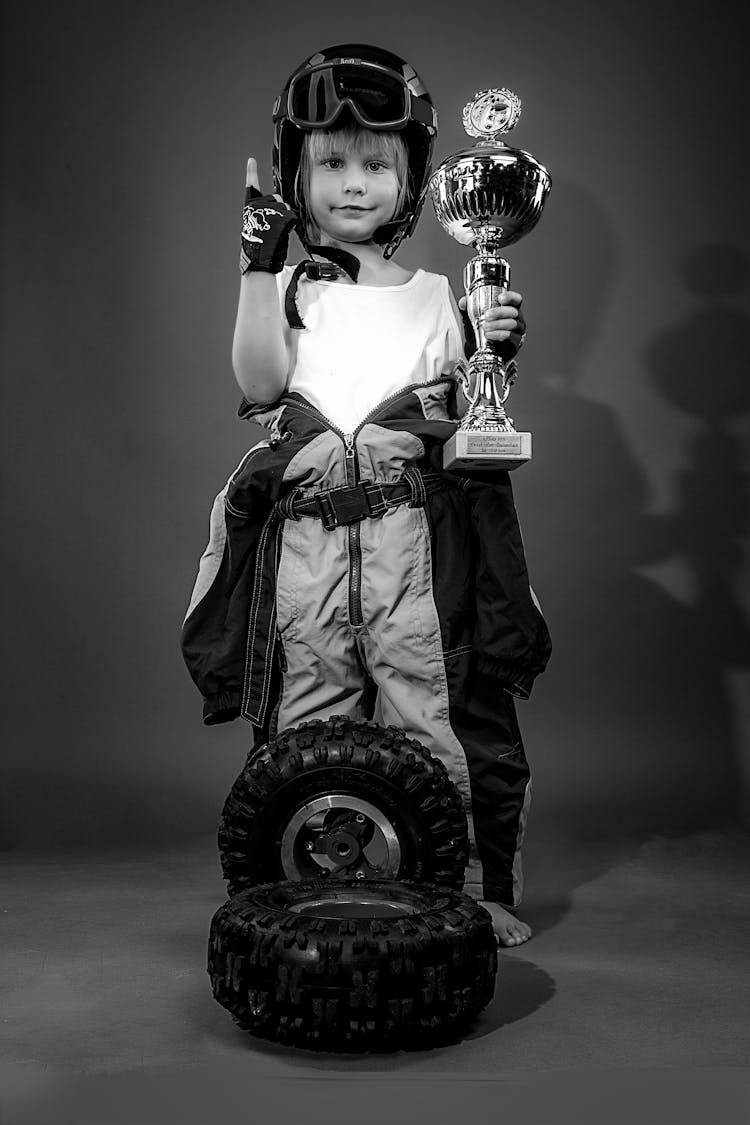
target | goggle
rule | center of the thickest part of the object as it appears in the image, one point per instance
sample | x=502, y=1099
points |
x=378, y=98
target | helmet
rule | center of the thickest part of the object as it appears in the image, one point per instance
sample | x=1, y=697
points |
x=375, y=88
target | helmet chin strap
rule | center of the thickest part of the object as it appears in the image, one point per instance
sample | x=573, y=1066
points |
x=342, y=262
x=349, y=263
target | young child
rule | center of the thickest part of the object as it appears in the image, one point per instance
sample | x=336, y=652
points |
x=347, y=573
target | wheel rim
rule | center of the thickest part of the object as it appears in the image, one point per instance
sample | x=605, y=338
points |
x=353, y=904
x=340, y=836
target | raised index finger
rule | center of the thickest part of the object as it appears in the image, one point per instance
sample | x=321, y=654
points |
x=251, y=178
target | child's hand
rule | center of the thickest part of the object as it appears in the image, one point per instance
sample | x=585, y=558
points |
x=266, y=225
x=503, y=321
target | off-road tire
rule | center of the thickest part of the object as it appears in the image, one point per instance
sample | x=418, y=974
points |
x=378, y=766
x=411, y=965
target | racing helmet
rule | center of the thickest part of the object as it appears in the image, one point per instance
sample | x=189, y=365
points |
x=376, y=89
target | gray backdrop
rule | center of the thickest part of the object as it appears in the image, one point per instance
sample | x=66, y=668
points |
x=126, y=127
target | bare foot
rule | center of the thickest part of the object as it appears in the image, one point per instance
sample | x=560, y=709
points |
x=509, y=930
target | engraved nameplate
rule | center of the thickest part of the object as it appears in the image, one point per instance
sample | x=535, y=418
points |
x=487, y=449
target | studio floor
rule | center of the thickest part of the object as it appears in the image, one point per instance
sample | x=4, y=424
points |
x=630, y=1003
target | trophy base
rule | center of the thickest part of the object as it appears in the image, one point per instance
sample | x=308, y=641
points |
x=487, y=449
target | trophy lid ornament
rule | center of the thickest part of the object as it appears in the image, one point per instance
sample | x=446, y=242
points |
x=491, y=113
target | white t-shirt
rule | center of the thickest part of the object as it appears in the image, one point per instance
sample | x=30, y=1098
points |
x=362, y=343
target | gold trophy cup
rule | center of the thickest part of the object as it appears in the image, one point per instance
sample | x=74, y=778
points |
x=488, y=196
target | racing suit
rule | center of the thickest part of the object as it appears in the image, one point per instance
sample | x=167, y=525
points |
x=350, y=574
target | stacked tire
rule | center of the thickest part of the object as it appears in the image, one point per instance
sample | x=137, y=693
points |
x=344, y=846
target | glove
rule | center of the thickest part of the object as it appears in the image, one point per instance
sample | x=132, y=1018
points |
x=266, y=226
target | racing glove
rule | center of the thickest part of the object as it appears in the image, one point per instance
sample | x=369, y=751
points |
x=266, y=226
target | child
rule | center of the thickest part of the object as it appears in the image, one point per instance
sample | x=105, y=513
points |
x=347, y=573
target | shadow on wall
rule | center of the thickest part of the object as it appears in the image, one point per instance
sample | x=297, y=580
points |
x=631, y=729
x=704, y=374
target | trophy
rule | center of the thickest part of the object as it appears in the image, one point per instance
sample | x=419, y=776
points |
x=488, y=196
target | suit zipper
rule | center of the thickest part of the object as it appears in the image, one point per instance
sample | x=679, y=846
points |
x=356, y=617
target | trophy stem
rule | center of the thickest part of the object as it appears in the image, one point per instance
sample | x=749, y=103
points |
x=486, y=277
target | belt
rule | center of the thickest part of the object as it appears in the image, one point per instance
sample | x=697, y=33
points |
x=337, y=507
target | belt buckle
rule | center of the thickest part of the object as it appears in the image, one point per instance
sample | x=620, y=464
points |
x=343, y=506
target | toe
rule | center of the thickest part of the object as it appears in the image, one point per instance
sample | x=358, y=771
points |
x=509, y=930
x=516, y=934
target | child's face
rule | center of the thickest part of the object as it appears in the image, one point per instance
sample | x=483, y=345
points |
x=352, y=193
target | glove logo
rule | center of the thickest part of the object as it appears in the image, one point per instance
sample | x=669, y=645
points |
x=256, y=219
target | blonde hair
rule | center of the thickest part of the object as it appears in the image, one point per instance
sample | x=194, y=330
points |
x=321, y=144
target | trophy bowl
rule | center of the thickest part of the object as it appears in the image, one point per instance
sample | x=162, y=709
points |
x=489, y=190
